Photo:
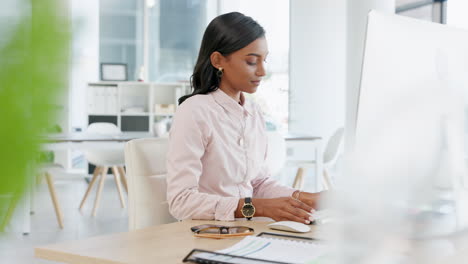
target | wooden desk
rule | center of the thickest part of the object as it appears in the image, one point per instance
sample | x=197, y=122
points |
x=168, y=243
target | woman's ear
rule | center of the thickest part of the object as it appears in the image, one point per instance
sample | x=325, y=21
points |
x=217, y=59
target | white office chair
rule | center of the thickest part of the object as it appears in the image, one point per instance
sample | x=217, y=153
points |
x=103, y=160
x=145, y=160
x=330, y=155
x=276, y=153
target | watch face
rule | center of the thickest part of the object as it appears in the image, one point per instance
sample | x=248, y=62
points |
x=248, y=210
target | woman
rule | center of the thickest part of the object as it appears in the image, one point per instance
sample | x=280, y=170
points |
x=217, y=147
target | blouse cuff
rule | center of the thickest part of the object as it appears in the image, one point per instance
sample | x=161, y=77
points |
x=286, y=192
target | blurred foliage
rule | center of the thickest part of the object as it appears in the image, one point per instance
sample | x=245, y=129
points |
x=34, y=65
x=48, y=156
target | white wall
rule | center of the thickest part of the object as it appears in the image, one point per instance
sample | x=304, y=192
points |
x=317, y=73
x=317, y=66
x=457, y=11
x=85, y=57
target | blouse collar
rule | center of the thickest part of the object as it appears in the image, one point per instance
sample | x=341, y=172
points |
x=231, y=105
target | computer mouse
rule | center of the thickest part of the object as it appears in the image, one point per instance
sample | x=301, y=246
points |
x=290, y=226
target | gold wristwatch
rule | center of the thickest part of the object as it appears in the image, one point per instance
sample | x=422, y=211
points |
x=248, y=210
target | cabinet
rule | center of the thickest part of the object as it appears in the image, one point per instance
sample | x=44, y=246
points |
x=133, y=106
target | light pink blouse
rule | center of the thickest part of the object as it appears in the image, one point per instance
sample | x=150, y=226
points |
x=216, y=155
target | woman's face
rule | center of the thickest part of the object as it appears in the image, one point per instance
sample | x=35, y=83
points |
x=243, y=70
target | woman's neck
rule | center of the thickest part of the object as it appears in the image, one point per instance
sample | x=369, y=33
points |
x=234, y=94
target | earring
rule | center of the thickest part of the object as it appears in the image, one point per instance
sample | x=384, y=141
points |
x=219, y=73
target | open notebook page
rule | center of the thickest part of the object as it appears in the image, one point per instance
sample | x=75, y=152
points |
x=272, y=249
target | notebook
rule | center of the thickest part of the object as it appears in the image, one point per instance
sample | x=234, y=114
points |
x=256, y=249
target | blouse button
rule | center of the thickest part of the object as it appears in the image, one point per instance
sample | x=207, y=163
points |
x=241, y=142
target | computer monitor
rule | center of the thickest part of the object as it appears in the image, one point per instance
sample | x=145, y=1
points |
x=408, y=147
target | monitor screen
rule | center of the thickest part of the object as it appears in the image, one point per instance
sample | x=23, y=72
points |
x=408, y=147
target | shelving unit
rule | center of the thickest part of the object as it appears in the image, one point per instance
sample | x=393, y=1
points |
x=133, y=106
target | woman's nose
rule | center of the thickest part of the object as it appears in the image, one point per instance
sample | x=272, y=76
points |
x=261, y=71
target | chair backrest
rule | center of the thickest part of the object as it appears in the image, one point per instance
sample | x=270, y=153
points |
x=104, y=157
x=333, y=146
x=103, y=128
x=276, y=153
x=145, y=161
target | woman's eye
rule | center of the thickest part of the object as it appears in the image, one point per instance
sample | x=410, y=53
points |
x=251, y=63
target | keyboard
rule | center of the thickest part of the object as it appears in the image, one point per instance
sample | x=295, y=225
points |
x=323, y=216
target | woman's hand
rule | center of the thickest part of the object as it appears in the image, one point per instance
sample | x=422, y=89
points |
x=283, y=209
x=311, y=199
x=296, y=208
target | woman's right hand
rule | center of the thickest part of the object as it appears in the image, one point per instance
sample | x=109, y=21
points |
x=283, y=209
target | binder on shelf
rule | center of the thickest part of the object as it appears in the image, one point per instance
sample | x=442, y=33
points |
x=265, y=248
x=99, y=98
x=91, y=100
x=105, y=100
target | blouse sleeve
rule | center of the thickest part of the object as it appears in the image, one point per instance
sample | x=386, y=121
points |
x=188, y=139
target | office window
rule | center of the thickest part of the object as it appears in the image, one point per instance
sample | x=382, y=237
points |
x=175, y=32
x=429, y=10
x=120, y=34
x=273, y=93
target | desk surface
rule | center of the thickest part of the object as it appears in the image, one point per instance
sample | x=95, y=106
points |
x=300, y=137
x=168, y=243
x=88, y=137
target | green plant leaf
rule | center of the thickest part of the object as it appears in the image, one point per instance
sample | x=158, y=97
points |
x=33, y=74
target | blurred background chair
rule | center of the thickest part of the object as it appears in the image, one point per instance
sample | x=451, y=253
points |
x=330, y=156
x=103, y=160
x=145, y=160
x=46, y=170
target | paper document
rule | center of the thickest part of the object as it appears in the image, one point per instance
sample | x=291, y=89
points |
x=271, y=249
